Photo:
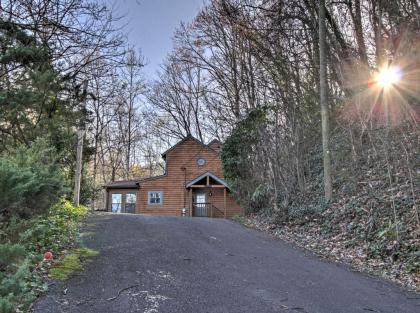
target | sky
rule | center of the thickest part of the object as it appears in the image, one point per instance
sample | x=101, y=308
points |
x=151, y=24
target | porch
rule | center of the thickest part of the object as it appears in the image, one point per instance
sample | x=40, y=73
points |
x=207, y=196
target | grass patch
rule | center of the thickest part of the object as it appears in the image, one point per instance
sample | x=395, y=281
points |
x=87, y=253
x=72, y=263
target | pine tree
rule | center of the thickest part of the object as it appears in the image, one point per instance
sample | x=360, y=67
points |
x=32, y=101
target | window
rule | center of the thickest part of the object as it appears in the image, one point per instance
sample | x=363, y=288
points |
x=123, y=202
x=155, y=197
x=201, y=162
x=130, y=202
x=116, y=202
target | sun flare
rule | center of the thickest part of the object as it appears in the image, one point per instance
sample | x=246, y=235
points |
x=388, y=76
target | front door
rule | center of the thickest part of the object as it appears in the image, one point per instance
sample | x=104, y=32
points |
x=200, y=205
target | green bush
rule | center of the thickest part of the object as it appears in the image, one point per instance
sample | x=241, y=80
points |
x=10, y=254
x=55, y=231
x=19, y=285
x=239, y=154
x=22, y=244
x=30, y=180
x=261, y=197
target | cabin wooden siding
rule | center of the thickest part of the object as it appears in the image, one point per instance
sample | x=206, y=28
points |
x=232, y=207
x=181, y=168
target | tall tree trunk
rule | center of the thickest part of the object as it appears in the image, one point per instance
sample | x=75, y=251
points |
x=377, y=27
x=128, y=147
x=130, y=113
x=324, y=102
x=79, y=152
x=78, y=171
x=358, y=28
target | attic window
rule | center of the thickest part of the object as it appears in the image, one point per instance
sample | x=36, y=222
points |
x=201, y=162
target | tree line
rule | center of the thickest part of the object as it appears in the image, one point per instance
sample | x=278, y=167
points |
x=251, y=73
x=66, y=65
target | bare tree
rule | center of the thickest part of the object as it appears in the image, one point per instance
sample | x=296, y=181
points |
x=323, y=88
x=132, y=87
x=178, y=96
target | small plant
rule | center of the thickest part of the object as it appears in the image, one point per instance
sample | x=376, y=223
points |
x=23, y=243
x=261, y=197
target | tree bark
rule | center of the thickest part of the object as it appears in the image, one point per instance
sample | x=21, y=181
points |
x=324, y=103
x=130, y=117
x=358, y=28
x=78, y=171
x=79, y=152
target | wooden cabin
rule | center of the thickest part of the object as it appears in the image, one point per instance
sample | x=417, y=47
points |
x=192, y=185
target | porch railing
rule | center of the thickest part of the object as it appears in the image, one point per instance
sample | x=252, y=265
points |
x=206, y=210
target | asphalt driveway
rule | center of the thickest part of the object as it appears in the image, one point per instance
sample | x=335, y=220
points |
x=192, y=265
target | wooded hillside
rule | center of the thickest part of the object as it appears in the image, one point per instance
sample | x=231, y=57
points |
x=248, y=72
x=317, y=107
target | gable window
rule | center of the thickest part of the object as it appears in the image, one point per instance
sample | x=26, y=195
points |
x=155, y=197
x=201, y=162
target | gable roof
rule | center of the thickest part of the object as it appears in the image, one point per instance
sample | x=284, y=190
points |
x=211, y=175
x=214, y=141
x=184, y=140
x=135, y=183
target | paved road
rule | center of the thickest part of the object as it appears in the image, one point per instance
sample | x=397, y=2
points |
x=192, y=265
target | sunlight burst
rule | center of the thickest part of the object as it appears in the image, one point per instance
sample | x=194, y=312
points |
x=388, y=76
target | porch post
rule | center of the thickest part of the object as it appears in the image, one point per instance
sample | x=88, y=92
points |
x=224, y=200
x=190, y=202
x=210, y=203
